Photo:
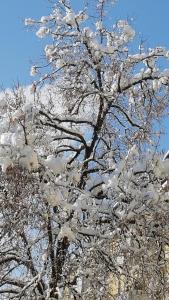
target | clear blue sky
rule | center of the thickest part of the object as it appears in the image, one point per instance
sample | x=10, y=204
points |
x=19, y=46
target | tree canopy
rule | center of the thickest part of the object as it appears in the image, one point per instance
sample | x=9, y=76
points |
x=84, y=194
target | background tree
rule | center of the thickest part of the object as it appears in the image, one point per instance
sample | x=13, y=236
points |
x=84, y=208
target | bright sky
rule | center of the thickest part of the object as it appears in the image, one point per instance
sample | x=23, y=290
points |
x=20, y=47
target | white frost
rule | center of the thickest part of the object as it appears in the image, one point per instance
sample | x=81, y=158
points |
x=42, y=32
x=5, y=139
x=5, y=162
x=66, y=231
x=17, y=140
x=29, y=159
x=55, y=164
x=70, y=18
x=33, y=71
